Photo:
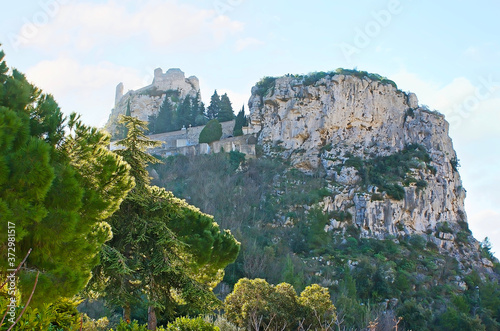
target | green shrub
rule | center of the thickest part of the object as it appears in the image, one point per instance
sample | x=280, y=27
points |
x=265, y=85
x=132, y=326
x=188, y=324
x=236, y=158
x=444, y=227
x=222, y=323
x=211, y=132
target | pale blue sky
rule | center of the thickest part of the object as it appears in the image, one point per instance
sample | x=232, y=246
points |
x=446, y=52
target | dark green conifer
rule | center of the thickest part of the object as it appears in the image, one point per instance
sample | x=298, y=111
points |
x=58, y=185
x=226, y=112
x=240, y=122
x=215, y=106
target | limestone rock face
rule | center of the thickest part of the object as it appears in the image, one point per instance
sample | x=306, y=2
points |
x=146, y=101
x=319, y=126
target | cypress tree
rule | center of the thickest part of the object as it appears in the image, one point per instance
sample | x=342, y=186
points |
x=198, y=112
x=215, y=106
x=240, y=122
x=226, y=112
x=164, y=121
x=184, y=113
x=211, y=132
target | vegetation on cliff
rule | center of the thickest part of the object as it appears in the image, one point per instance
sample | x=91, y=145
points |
x=266, y=84
x=275, y=212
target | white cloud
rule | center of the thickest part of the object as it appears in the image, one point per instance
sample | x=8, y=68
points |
x=84, y=26
x=90, y=87
x=249, y=42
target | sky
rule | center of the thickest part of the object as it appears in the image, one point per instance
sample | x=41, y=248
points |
x=446, y=52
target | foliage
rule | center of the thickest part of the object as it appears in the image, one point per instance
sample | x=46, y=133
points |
x=164, y=121
x=222, y=323
x=133, y=326
x=90, y=324
x=255, y=303
x=265, y=85
x=318, y=306
x=188, y=324
x=275, y=212
x=58, y=184
x=214, y=108
x=175, y=113
x=455, y=164
x=226, y=112
x=211, y=132
x=388, y=172
x=163, y=250
x=60, y=315
x=240, y=122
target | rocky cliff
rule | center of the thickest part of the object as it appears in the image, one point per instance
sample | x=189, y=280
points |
x=352, y=128
x=146, y=101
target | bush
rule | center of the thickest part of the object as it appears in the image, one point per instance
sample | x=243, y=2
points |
x=265, y=85
x=133, y=326
x=187, y=324
x=211, y=132
x=222, y=323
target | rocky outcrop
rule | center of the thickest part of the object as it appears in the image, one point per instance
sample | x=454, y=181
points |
x=146, y=101
x=320, y=126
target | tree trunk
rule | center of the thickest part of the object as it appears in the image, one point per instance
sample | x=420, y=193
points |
x=151, y=318
x=126, y=313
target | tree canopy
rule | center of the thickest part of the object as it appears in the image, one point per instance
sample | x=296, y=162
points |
x=211, y=132
x=226, y=112
x=255, y=304
x=58, y=185
x=163, y=249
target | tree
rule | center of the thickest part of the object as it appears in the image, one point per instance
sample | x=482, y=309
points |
x=215, y=106
x=164, y=120
x=240, y=122
x=211, y=132
x=58, y=185
x=184, y=113
x=226, y=112
x=255, y=304
x=318, y=305
x=248, y=301
x=163, y=249
x=198, y=112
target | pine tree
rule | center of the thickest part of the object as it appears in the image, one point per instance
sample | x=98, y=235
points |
x=226, y=112
x=160, y=245
x=58, y=185
x=215, y=106
x=240, y=122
